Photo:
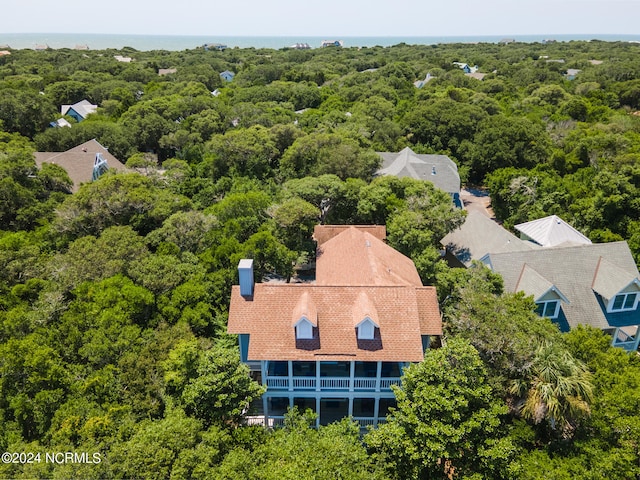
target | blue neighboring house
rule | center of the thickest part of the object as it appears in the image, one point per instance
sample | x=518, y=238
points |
x=466, y=68
x=573, y=282
x=79, y=110
x=227, y=75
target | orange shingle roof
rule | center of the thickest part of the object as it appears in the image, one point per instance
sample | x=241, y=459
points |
x=403, y=314
x=322, y=233
x=357, y=274
x=356, y=257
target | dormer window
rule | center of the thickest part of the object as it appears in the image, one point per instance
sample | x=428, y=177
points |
x=624, y=301
x=305, y=317
x=366, y=329
x=549, y=309
x=304, y=329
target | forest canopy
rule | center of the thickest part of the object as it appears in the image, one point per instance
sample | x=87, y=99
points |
x=114, y=299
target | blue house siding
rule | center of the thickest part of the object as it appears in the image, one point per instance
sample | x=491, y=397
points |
x=72, y=113
x=620, y=319
x=243, y=340
x=562, y=322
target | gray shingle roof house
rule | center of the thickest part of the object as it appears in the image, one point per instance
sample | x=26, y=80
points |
x=591, y=284
x=437, y=169
x=79, y=110
x=477, y=237
x=83, y=163
x=572, y=282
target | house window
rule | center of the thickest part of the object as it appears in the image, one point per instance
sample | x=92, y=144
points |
x=304, y=329
x=385, y=405
x=391, y=370
x=549, y=309
x=363, y=407
x=334, y=369
x=278, y=369
x=277, y=406
x=366, y=329
x=305, y=403
x=366, y=369
x=304, y=369
x=624, y=301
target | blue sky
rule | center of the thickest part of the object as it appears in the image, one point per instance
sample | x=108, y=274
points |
x=321, y=18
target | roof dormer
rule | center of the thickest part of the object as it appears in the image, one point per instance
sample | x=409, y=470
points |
x=619, y=289
x=364, y=317
x=304, y=329
x=305, y=317
x=547, y=296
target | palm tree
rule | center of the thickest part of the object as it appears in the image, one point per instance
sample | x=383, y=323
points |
x=556, y=388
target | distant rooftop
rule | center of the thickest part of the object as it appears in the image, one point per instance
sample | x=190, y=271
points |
x=551, y=231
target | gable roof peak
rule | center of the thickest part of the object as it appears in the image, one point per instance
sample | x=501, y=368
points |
x=551, y=231
x=305, y=309
x=364, y=309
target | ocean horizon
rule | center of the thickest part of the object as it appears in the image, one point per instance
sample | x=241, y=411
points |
x=19, y=41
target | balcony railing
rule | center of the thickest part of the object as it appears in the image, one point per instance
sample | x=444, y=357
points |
x=331, y=383
x=276, y=421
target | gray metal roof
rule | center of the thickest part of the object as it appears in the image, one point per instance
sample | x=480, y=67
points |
x=83, y=108
x=478, y=236
x=574, y=271
x=437, y=169
x=551, y=231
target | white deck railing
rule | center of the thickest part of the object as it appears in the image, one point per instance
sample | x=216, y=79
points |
x=331, y=383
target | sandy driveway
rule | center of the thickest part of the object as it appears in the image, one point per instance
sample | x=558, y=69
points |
x=478, y=200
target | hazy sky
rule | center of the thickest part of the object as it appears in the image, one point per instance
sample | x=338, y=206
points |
x=321, y=18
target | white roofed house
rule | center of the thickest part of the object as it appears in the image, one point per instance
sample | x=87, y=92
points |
x=551, y=231
x=572, y=281
x=437, y=169
x=79, y=110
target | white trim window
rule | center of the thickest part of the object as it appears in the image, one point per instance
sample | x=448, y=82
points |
x=366, y=329
x=623, y=302
x=304, y=329
x=549, y=309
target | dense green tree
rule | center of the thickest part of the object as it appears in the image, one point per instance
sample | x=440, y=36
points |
x=501, y=327
x=447, y=424
x=324, y=153
x=300, y=451
x=119, y=199
x=222, y=390
x=556, y=388
x=507, y=142
x=25, y=112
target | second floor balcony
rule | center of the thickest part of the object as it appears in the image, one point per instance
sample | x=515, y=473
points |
x=327, y=376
